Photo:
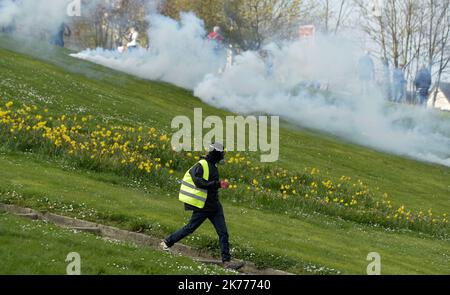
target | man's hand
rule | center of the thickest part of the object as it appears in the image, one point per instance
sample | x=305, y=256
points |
x=224, y=184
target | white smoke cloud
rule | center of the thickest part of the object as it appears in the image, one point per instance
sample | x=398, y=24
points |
x=362, y=119
x=8, y=10
x=33, y=17
x=179, y=54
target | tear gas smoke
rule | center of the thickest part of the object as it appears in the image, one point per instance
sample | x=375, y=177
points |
x=178, y=54
x=278, y=84
x=33, y=18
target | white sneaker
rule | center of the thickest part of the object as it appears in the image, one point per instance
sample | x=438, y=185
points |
x=164, y=246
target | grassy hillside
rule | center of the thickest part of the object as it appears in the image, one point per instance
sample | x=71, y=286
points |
x=311, y=242
x=24, y=251
x=64, y=84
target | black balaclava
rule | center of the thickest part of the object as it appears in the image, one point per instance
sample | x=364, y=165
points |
x=215, y=156
x=216, y=153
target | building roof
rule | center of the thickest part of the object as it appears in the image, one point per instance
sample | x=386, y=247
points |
x=445, y=88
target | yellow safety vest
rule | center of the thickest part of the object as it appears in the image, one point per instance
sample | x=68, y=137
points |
x=189, y=192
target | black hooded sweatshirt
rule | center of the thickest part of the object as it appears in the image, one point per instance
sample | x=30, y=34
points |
x=212, y=184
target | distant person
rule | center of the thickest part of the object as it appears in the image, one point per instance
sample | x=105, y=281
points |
x=386, y=82
x=133, y=39
x=422, y=84
x=267, y=57
x=10, y=26
x=366, y=73
x=230, y=56
x=57, y=38
x=399, y=83
x=216, y=37
x=9, y=29
x=5, y=29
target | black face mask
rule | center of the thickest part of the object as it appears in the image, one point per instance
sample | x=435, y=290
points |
x=222, y=158
x=216, y=157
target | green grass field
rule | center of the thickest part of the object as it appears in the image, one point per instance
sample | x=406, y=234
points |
x=34, y=247
x=308, y=243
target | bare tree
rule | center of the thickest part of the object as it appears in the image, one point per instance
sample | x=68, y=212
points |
x=409, y=32
x=331, y=15
x=439, y=48
x=105, y=22
x=251, y=22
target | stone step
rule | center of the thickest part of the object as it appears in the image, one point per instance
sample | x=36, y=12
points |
x=91, y=230
x=33, y=216
x=127, y=236
x=209, y=261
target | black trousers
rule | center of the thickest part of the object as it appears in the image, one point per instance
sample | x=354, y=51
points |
x=217, y=218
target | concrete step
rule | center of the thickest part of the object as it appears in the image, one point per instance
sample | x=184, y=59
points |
x=127, y=236
x=91, y=230
x=209, y=261
x=33, y=216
